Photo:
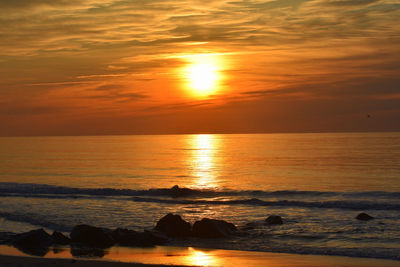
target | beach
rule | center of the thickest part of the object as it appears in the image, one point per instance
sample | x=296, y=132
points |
x=179, y=256
x=12, y=261
x=317, y=184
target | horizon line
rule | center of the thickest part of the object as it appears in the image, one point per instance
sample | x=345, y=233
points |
x=203, y=133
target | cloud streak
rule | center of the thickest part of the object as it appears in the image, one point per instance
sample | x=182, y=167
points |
x=127, y=56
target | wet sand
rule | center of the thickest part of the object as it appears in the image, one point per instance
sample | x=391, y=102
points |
x=17, y=261
x=183, y=256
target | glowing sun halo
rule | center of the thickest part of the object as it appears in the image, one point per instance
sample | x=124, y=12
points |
x=202, y=75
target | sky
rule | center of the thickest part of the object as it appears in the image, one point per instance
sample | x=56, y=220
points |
x=94, y=67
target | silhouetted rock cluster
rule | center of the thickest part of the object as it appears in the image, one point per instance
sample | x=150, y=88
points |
x=273, y=220
x=174, y=226
x=103, y=237
x=86, y=240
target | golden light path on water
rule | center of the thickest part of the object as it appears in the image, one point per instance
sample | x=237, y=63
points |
x=203, y=160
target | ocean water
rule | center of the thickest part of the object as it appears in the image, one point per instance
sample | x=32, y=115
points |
x=318, y=183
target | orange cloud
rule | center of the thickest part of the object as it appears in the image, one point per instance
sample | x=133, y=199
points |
x=108, y=61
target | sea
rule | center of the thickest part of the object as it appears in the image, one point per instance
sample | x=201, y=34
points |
x=317, y=182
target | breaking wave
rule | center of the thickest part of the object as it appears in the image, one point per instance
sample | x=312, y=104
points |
x=178, y=195
x=176, y=192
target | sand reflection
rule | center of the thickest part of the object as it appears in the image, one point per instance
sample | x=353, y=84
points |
x=209, y=257
x=203, y=160
x=200, y=258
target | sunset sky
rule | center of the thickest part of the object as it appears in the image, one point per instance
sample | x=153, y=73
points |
x=70, y=67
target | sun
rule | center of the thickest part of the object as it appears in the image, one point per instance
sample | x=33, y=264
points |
x=202, y=75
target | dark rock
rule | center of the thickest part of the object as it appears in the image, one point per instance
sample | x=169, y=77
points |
x=176, y=191
x=92, y=236
x=122, y=236
x=34, y=251
x=173, y=225
x=364, y=217
x=60, y=239
x=158, y=237
x=133, y=238
x=35, y=242
x=209, y=228
x=273, y=220
x=33, y=238
x=87, y=252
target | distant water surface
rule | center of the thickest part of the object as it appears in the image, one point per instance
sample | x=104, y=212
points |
x=316, y=182
x=322, y=162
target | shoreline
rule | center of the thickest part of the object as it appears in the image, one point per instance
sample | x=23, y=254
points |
x=182, y=256
x=18, y=261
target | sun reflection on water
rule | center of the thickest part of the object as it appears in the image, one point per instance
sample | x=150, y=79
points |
x=200, y=258
x=203, y=160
